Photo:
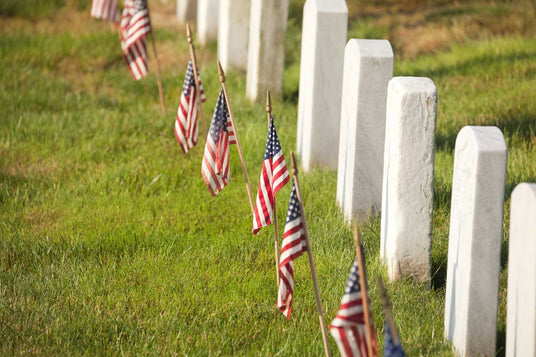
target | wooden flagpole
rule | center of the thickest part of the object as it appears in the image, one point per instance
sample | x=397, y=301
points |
x=388, y=313
x=310, y=253
x=363, y=284
x=158, y=77
x=224, y=87
x=274, y=212
x=196, y=77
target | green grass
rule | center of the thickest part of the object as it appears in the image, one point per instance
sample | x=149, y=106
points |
x=111, y=243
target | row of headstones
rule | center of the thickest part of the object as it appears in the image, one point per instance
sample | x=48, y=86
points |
x=379, y=133
x=250, y=35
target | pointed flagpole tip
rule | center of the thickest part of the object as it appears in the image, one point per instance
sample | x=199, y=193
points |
x=221, y=73
x=293, y=163
x=268, y=102
x=188, y=32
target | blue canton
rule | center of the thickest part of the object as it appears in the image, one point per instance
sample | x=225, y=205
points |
x=189, y=80
x=219, y=120
x=272, y=142
x=293, y=205
x=391, y=350
x=352, y=286
x=139, y=5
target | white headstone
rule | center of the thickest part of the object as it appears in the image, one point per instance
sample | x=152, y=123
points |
x=233, y=34
x=186, y=11
x=408, y=177
x=322, y=56
x=368, y=68
x=266, y=51
x=475, y=235
x=521, y=301
x=207, y=20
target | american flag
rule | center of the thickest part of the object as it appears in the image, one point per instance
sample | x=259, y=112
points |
x=186, y=128
x=348, y=327
x=105, y=10
x=135, y=25
x=274, y=176
x=294, y=244
x=391, y=350
x=215, y=166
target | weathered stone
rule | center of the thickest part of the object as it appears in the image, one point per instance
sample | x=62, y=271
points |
x=319, y=107
x=408, y=177
x=266, y=50
x=186, y=11
x=233, y=34
x=368, y=68
x=207, y=20
x=475, y=236
x=521, y=301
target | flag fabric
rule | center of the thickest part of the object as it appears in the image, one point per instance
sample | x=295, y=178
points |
x=105, y=10
x=348, y=327
x=135, y=25
x=215, y=166
x=274, y=176
x=391, y=350
x=186, y=127
x=294, y=244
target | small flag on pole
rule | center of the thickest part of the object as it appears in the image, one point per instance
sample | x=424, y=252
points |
x=215, y=166
x=186, y=128
x=135, y=25
x=348, y=327
x=294, y=244
x=105, y=10
x=274, y=176
x=392, y=350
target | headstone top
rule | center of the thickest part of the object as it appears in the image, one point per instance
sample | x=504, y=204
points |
x=372, y=48
x=487, y=138
x=412, y=84
x=335, y=6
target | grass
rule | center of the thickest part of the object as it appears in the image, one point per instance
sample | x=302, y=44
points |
x=110, y=241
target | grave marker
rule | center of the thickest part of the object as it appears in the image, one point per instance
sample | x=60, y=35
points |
x=521, y=300
x=368, y=67
x=408, y=178
x=207, y=20
x=475, y=237
x=266, y=51
x=233, y=34
x=319, y=107
x=186, y=11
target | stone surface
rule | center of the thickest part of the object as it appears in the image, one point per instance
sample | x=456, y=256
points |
x=207, y=20
x=322, y=57
x=233, y=34
x=521, y=300
x=368, y=68
x=186, y=11
x=475, y=235
x=408, y=178
x=266, y=49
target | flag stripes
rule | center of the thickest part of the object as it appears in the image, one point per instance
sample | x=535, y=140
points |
x=135, y=25
x=274, y=176
x=105, y=10
x=294, y=244
x=215, y=165
x=186, y=124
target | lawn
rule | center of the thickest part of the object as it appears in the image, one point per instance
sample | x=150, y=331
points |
x=110, y=242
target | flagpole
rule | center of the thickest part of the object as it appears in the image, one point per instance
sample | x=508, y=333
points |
x=363, y=284
x=388, y=313
x=310, y=253
x=158, y=77
x=196, y=77
x=274, y=212
x=224, y=87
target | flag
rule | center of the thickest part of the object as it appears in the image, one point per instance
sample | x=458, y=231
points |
x=105, y=10
x=294, y=244
x=392, y=350
x=348, y=327
x=135, y=25
x=274, y=176
x=186, y=128
x=215, y=166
